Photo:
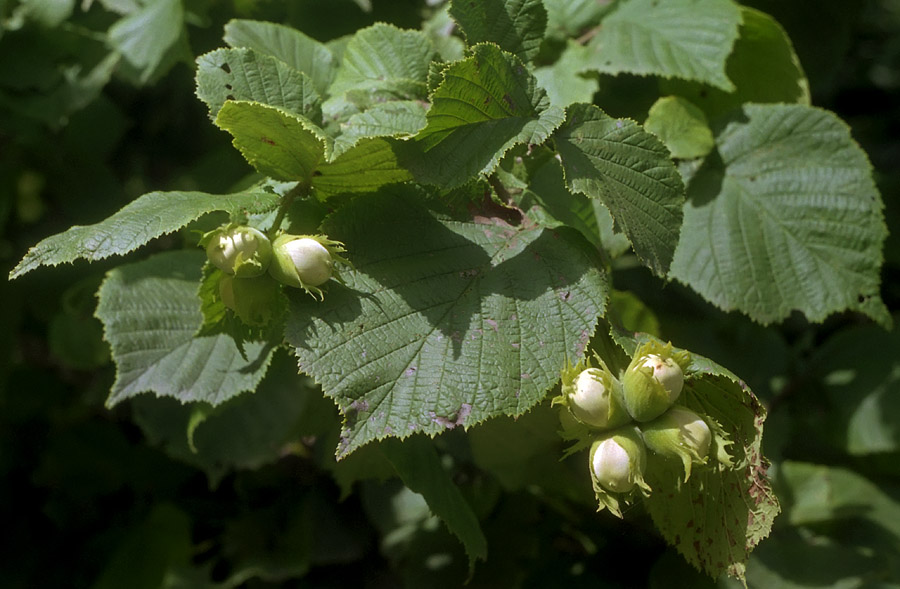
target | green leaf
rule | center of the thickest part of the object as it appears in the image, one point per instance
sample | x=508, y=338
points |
x=629, y=170
x=859, y=371
x=366, y=167
x=244, y=74
x=785, y=217
x=419, y=467
x=446, y=320
x=147, y=217
x=722, y=512
x=277, y=143
x=763, y=68
x=681, y=126
x=401, y=119
x=289, y=45
x=385, y=59
x=562, y=81
x=688, y=39
x=516, y=26
x=485, y=105
x=146, y=36
x=150, y=312
x=158, y=543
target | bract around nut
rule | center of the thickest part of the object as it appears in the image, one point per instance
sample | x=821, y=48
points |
x=679, y=433
x=653, y=380
x=238, y=250
x=253, y=300
x=592, y=395
x=617, y=460
x=306, y=261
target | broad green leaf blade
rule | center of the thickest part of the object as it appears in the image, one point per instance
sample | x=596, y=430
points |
x=400, y=119
x=447, y=319
x=719, y=516
x=629, y=170
x=277, y=143
x=516, y=26
x=368, y=166
x=419, y=467
x=146, y=36
x=244, y=74
x=859, y=371
x=485, y=105
x=689, y=39
x=562, y=81
x=681, y=126
x=387, y=60
x=763, y=68
x=289, y=45
x=787, y=217
x=150, y=312
x=147, y=217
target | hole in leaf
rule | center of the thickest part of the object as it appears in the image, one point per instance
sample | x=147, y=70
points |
x=226, y=68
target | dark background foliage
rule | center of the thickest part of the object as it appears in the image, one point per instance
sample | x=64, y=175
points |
x=88, y=500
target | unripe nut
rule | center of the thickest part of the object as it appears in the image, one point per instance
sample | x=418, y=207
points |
x=240, y=251
x=617, y=461
x=653, y=381
x=301, y=262
x=679, y=433
x=591, y=396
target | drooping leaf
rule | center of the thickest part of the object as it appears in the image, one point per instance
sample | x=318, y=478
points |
x=419, y=467
x=147, y=217
x=681, y=126
x=385, y=60
x=277, y=143
x=147, y=35
x=630, y=171
x=446, y=320
x=289, y=45
x=763, y=68
x=689, y=39
x=516, y=26
x=786, y=217
x=485, y=105
x=725, y=509
x=244, y=74
x=397, y=118
x=150, y=313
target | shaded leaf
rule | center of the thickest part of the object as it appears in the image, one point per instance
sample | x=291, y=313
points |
x=147, y=217
x=419, y=467
x=150, y=313
x=366, y=167
x=146, y=36
x=397, y=118
x=629, y=170
x=785, y=217
x=446, y=320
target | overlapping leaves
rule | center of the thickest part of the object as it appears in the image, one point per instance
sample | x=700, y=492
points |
x=446, y=320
